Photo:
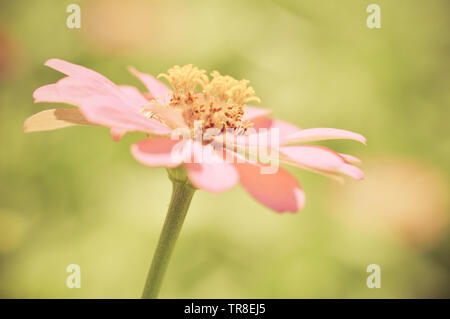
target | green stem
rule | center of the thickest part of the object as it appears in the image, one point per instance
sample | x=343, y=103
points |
x=182, y=192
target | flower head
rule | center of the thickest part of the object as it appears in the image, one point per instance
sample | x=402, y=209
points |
x=237, y=142
x=218, y=103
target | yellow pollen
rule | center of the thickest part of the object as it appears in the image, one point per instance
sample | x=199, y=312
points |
x=219, y=103
x=186, y=78
x=230, y=89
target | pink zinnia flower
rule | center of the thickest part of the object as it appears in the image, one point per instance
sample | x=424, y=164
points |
x=218, y=102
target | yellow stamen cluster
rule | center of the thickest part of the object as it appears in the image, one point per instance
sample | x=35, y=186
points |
x=229, y=89
x=185, y=79
x=218, y=103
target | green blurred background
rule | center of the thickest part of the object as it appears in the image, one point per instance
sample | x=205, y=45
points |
x=75, y=196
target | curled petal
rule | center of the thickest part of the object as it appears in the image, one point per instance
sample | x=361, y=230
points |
x=321, y=158
x=280, y=191
x=100, y=100
x=100, y=105
x=54, y=119
x=91, y=81
x=79, y=71
x=78, y=90
x=352, y=171
x=320, y=134
x=351, y=158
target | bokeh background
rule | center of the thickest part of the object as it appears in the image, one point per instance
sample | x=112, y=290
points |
x=75, y=196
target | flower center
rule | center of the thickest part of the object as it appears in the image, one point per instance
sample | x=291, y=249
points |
x=217, y=102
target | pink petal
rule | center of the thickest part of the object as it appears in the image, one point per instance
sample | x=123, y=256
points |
x=47, y=93
x=100, y=100
x=350, y=158
x=321, y=158
x=117, y=134
x=172, y=117
x=280, y=191
x=254, y=112
x=74, y=90
x=261, y=122
x=158, y=90
x=213, y=173
x=352, y=171
x=124, y=120
x=133, y=93
x=75, y=70
x=107, y=106
x=319, y=134
x=95, y=79
x=155, y=152
x=285, y=129
x=262, y=132
x=253, y=140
